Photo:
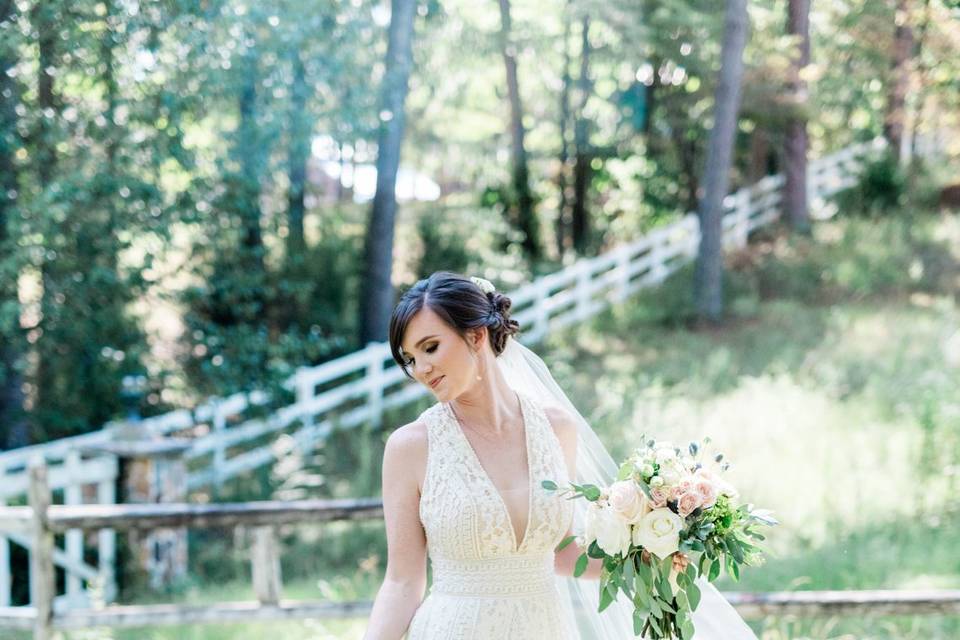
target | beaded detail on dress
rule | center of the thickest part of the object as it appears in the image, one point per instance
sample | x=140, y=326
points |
x=486, y=585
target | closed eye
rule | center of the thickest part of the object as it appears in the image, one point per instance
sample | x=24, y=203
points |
x=409, y=361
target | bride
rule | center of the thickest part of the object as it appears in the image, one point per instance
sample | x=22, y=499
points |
x=462, y=485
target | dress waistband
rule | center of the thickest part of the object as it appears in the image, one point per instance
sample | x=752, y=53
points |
x=503, y=576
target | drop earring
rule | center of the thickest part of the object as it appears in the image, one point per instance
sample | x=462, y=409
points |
x=479, y=377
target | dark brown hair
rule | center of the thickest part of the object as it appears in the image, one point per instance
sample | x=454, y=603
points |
x=460, y=303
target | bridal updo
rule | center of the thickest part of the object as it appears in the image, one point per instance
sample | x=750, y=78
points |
x=461, y=303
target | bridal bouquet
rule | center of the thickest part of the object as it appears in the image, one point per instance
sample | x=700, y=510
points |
x=666, y=520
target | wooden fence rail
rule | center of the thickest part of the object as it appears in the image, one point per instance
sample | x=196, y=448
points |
x=43, y=520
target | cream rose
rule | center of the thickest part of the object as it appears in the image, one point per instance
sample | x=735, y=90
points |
x=628, y=501
x=659, y=532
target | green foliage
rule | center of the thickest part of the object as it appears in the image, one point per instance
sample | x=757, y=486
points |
x=881, y=189
x=444, y=244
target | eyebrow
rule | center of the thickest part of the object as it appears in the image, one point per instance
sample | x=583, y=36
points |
x=420, y=341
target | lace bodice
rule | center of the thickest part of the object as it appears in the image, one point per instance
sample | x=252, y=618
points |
x=485, y=584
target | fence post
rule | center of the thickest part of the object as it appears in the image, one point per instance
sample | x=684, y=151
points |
x=583, y=289
x=219, y=454
x=742, y=204
x=74, y=538
x=107, y=544
x=541, y=315
x=623, y=274
x=304, y=394
x=266, y=566
x=154, y=472
x=375, y=384
x=43, y=582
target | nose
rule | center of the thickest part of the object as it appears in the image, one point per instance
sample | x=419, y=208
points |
x=421, y=372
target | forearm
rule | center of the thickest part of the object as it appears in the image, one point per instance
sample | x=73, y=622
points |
x=393, y=608
x=566, y=560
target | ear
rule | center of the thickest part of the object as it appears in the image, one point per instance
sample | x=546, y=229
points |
x=476, y=336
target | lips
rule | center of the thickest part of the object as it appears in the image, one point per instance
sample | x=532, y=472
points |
x=436, y=381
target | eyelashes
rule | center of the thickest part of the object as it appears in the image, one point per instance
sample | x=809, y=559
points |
x=409, y=361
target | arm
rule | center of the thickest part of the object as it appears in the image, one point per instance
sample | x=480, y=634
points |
x=565, y=429
x=404, y=461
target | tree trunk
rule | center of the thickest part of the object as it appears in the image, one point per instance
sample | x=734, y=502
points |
x=709, y=268
x=376, y=301
x=524, y=219
x=916, y=126
x=759, y=154
x=44, y=17
x=298, y=155
x=795, y=152
x=248, y=146
x=562, y=222
x=11, y=381
x=686, y=147
x=582, y=170
x=893, y=127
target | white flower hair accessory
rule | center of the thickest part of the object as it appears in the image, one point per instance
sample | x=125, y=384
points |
x=485, y=285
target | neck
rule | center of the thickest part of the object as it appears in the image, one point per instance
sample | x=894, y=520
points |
x=489, y=405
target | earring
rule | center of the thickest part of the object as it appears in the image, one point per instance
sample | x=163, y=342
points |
x=478, y=375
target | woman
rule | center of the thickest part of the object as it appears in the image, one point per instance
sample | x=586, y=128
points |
x=463, y=483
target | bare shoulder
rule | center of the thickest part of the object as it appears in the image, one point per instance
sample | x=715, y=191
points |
x=409, y=438
x=405, y=453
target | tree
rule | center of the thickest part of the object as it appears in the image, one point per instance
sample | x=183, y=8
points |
x=297, y=156
x=524, y=216
x=899, y=84
x=376, y=299
x=11, y=340
x=795, y=152
x=584, y=155
x=709, y=267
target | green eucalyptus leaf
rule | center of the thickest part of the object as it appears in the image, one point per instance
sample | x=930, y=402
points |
x=581, y=565
x=693, y=595
x=565, y=543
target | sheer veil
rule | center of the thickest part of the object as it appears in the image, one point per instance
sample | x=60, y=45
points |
x=714, y=619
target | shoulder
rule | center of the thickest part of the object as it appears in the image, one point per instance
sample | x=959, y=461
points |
x=408, y=440
x=405, y=455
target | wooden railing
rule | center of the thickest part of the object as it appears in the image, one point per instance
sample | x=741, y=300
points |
x=225, y=441
x=41, y=521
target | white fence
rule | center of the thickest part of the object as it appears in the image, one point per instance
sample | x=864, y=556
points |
x=357, y=388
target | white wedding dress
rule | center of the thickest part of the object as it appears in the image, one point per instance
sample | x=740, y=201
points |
x=485, y=585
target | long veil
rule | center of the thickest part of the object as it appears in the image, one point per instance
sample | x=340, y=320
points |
x=714, y=619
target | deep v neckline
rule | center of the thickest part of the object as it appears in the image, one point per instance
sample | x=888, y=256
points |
x=476, y=458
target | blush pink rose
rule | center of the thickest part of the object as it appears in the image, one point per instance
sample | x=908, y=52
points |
x=688, y=502
x=659, y=496
x=682, y=487
x=707, y=491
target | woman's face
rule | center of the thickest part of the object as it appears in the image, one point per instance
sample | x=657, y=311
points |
x=435, y=353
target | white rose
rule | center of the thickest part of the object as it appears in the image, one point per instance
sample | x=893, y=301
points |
x=664, y=451
x=628, y=501
x=659, y=532
x=610, y=531
x=647, y=470
x=672, y=472
x=656, y=481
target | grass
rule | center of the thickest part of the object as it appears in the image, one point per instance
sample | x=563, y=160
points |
x=832, y=389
